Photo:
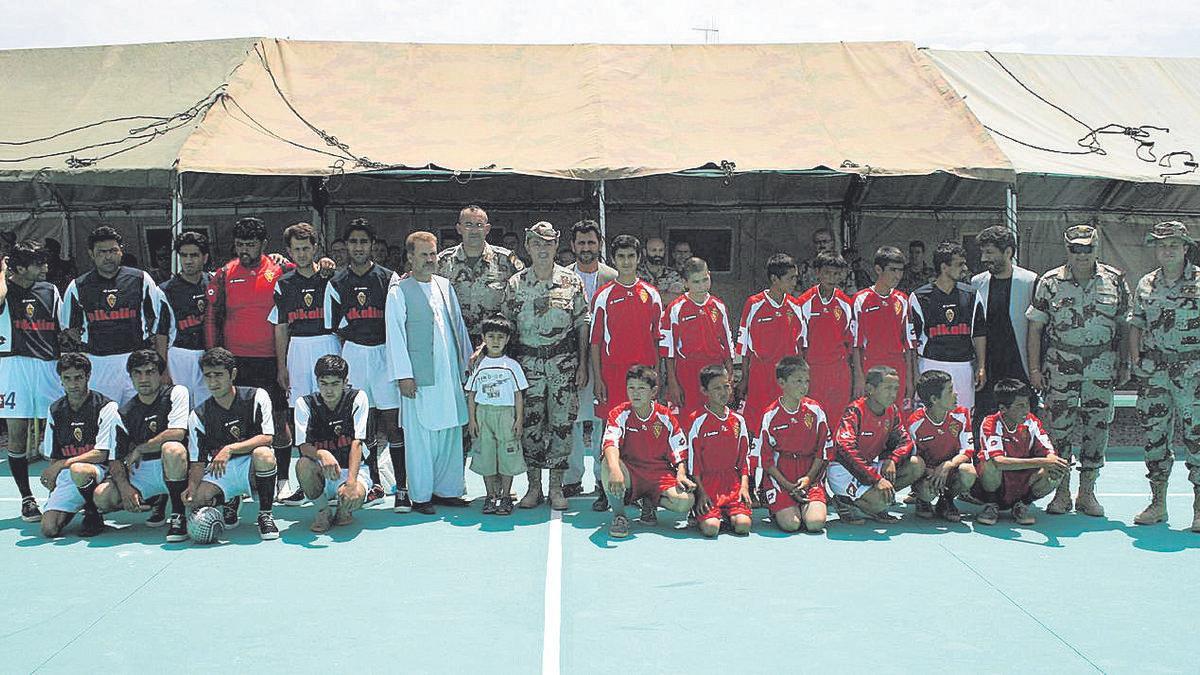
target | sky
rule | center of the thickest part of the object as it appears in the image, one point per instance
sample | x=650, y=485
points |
x=1110, y=27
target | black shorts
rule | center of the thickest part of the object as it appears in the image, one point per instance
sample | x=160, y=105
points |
x=262, y=372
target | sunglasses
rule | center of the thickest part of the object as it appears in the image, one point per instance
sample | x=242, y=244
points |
x=1081, y=248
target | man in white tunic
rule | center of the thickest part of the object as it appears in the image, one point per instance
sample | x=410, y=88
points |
x=428, y=349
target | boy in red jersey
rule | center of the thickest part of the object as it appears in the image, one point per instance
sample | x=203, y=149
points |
x=626, y=314
x=1017, y=463
x=770, y=330
x=827, y=334
x=644, y=454
x=874, y=452
x=695, y=334
x=941, y=434
x=795, y=445
x=719, y=457
x=882, y=332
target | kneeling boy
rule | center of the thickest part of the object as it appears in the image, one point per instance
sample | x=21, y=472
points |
x=719, y=457
x=941, y=434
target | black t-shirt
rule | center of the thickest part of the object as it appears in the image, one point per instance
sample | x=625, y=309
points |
x=29, y=321
x=354, y=305
x=117, y=315
x=300, y=303
x=214, y=427
x=183, y=311
x=142, y=421
x=333, y=430
x=77, y=431
x=945, y=323
x=1003, y=354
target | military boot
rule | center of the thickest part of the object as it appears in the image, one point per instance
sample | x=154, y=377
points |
x=558, y=501
x=1062, y=497
x=1085, y=502
x=1156, y=512
x=533, y=496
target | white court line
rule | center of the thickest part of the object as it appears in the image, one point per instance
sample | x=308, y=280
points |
x=553, y=611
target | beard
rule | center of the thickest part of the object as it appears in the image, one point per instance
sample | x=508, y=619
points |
x=586, y=257
x=656, y=260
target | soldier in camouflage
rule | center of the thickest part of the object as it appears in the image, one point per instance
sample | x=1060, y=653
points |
x=548, y=306
x=654, y=270
x=1165, y=338
x=1083, y=307
x=478, y=271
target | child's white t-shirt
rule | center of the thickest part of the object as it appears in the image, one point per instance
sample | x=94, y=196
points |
x=495, y=381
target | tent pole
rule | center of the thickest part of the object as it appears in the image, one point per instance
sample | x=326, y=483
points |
x=176, y=214
x=1010, y=215
x=603, y=220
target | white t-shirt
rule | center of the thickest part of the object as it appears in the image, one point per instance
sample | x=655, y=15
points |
x=495, y=381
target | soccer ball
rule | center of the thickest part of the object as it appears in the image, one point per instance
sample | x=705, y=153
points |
x=206, y=525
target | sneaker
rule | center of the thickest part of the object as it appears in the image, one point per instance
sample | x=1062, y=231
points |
x=177, y=531
x=489, y=504
x=297, y=498
x=572, y=490
x=30, y=512
x=619, y=527
x=401, y=503
x=1021, y=515
x=158, y=512
x=424, y=508
x=375, y=495
x=230, y=512
x=846, y=512
x=93, y=524
x=910, y=498
x=281, y=488
x=989, y=515
x=601, y=503
x=649, y=514
x=947, y=510
x=504, y=506
x=342, y=516
x=321, y=522
x=884, y=517
x=924, y=509
x=267, y=529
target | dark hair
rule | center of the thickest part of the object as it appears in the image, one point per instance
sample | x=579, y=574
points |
x=26, y=253
x=1008, y=390
x=250, y=228
x=339, y=240
x=779, y=265
x=218, y=357
x=196, y=239
x=301, y=231
x=945, y=252
x=931, y=383
x=917, y=243
x=788, y=366
x=644, y=373
x=876, y=374
x=694, y=265
x=999, y=236
x=497, y=324
x=145, y=357
x=830, y=259
x=73, y=361
x=822, y=230
x=359, y=225
x=625, y=241
x=711, y=372
x=104, y=233
x=332, y=365
x=586, y=226
x=889, y=255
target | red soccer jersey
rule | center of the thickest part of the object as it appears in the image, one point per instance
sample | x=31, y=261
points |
x=239, y=301
x=938, y=442
x=827, y=327
x=863, y=437
x=654, y=443
x=791, y=440
x=625, y=321
x=769, y=331
x=718, y=450
x=881, y=325
x=1028, y=439
x=696, y=331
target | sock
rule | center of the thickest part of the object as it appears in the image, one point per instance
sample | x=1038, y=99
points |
x=373, y=465
x=398, y=466
x=617, y=502
x=20, y=473
x=176, y=488
x=283, y=462
x=88, y=491
x=264, y=485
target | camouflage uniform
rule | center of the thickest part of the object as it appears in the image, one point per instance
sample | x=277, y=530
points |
x=670, y=281
x=480, y=285
x=548, y=315
x=915, y=277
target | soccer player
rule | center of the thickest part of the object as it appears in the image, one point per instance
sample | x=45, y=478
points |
x=231, y=432
x=644, y=454
x=695, y=334
x=770, y=330
x=181, y=318
x=331, y=430
x=299, y=318
x=882, y=332
x=29, y=330
x=874, y=452
x=111, y=310
x=949, y=328
x=626, y=314
x=796, y=445
x=719, y=457
x=942, y=438
x=151, y=459
x=1017, y=462
x=827, y=334
x=82, y=431
x=355, y=300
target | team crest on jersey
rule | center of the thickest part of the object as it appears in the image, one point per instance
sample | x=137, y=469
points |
x=337, y=430
x=837, y=313
x=153, y=426
x=111, y=300
x=200, y=303
x=737, y=427
x=714, y=314
x=950, y=315
x=308, y=299
x=897, y=307
x=809, y=420
x=235, y=431
x=954, y=429
x=29, y=311
x=78, y=435
x=269, y=275
x=657, y=429
x=362, y=298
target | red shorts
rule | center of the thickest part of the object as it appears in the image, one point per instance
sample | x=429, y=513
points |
x=648, y=482
x=725, y=505
x=1014, y=487
x=778, y=499
x=830, y=387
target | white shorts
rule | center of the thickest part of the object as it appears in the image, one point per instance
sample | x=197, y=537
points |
x=961, y=372
x=27, y=387
x=148, y=479
x=110, y=378
x=65, y=496
x=369, y=371
x=842, y=483
x=302, y=355
x=331, y=486
x=236, y=481
x=184, y=366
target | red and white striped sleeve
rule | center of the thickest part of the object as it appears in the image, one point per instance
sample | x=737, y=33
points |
x=727, y=342
x=764, y=448
x=991, y=434
x=678, y=442
x=1039, y=440
x=600, y=334
x=743, y=464
x=966, y=439
x=744, y=343
x=693, y=440
x=614, y=429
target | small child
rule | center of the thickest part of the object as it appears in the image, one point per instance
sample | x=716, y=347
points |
x=495, y=410
x=719, y=454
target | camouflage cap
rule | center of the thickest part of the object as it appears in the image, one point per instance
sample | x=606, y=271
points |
x=1171, y=229
x=1080, y=234
x=542, y=230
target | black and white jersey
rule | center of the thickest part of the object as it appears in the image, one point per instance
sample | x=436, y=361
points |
x=354, y=304
x=181, y=315
x=944, y=324
x=333, y=430
x=71, y=432
x=117, y=315
x=142, y=421
x=29, y=321
x=300, y=303
x=213, y=427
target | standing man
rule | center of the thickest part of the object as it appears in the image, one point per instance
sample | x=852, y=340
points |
x=882, y=333
x=1004, y=291
x=28, y=355
x=1083, y=306
x=112, y=311
x=827, y=333
x=181, y=319
x=337, y=251
x=680, y=252
x=478, y=270
x=548, y=306
x=916, y=272
x=948, y=325
x=428, y=349
x=809, y=276
x=1165, y=337
x=585, y=243
x=654, y=270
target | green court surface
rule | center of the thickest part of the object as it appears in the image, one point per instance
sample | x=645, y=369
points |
x=464, y=593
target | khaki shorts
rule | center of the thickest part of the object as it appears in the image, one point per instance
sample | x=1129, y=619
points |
x=497, y=450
